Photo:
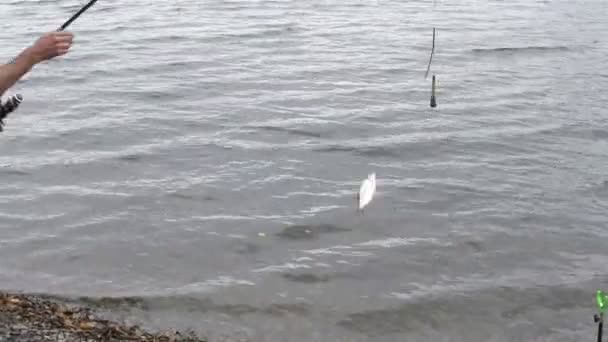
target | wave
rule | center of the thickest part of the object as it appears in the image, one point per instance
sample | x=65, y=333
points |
x=520, y=49
x=483, y=307
x=305, y=232
x=13, y=172
x=185, y=303
x=292, y=131
x=306, y=278
x=371, y=151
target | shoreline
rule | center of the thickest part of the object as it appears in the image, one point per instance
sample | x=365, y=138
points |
x=29, y=317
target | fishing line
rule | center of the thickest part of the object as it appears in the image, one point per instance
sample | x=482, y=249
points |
x=434, y=82
x=428, y=68
x=15, y=100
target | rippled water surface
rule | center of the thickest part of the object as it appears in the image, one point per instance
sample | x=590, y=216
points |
x=198, y=160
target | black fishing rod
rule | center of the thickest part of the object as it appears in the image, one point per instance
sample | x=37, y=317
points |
x=14, y=101
x=78, y=14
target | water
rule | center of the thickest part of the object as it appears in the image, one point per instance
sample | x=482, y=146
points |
x=198, y=160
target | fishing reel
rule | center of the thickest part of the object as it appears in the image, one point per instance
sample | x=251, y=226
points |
x=8, y=107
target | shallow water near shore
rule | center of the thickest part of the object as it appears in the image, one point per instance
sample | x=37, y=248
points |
x=143, y=167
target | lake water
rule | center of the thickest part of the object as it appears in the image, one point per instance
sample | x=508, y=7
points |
x=198, y=161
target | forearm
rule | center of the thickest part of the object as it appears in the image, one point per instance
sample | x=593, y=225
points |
x=11, y=73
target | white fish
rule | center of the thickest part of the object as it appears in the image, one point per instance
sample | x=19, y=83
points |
x=368, y=188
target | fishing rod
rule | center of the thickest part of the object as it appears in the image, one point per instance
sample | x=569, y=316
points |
x=78, y=14
x=598, y=318
x=15, y=100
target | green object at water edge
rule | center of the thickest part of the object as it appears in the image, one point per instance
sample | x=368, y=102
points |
x=601, y=301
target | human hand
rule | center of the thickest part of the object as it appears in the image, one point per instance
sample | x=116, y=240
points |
x=50, y=45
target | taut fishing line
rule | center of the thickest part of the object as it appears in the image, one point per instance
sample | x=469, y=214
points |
x=428, y=68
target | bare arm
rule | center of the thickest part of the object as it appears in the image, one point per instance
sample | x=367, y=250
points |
x=11, y=73
x=48, y=46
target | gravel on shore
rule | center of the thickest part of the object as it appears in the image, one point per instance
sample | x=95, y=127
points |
x=33, y=318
